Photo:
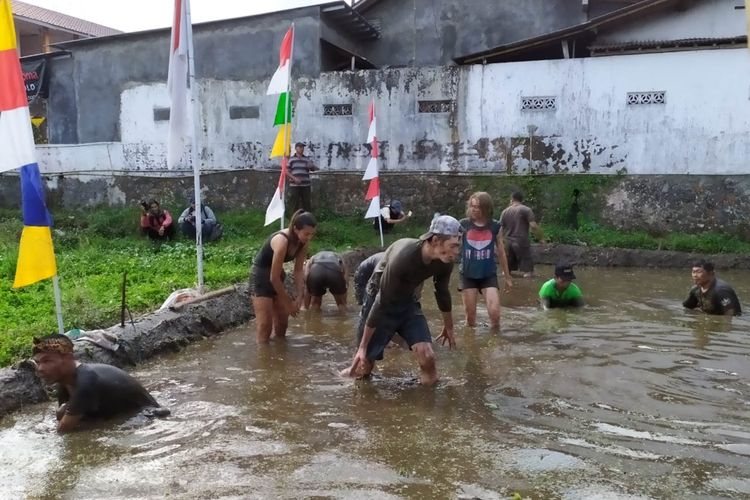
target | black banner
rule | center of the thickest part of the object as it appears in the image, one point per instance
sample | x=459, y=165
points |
x=34, y=79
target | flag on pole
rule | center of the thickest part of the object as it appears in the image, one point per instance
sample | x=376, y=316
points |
x=275, y=209
x=36, y=255
x=16, y=137
x=371, y=173
x=282, y=145
x=181, y=127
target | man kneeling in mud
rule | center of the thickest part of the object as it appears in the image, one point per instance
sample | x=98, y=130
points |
x=88, y=391
x=391, y=304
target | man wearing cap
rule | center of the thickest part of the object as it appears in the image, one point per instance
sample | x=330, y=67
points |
x=208, y=222
x=391, y=215
x=710, y=294
x=88, y=391
x=300, y=190
x=560, y=291
x=392, y=300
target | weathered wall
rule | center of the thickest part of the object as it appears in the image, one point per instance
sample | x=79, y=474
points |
x=655, y=203
x=244, y=49
x=591, y=128
x=434, y=32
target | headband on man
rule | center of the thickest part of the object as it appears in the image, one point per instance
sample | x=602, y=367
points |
x=59, y=344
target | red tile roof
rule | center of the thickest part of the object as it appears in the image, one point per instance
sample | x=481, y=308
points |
x=63, y=21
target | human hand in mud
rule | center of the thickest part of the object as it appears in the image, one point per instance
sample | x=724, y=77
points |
x=507, y=284
x=359, y=364
x=447, y=336
x=292, y=307
x=61, y=411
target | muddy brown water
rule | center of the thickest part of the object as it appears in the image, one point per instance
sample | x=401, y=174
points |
x=629, y=398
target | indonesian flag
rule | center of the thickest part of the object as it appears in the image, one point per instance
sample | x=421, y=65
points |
x=180, y=117
x=371, y=173
x=275, y=209
x=280, y=80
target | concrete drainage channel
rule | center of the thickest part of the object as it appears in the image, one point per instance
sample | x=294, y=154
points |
x=171, y=329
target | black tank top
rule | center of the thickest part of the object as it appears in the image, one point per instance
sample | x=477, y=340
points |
x=264, y=257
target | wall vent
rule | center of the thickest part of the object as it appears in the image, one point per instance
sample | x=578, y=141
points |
x=337, y=110
x=539, y=103
x=436, y=106
x=161, y=114
x=656, y=97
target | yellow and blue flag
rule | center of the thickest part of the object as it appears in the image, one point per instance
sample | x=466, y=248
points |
x=36, y=255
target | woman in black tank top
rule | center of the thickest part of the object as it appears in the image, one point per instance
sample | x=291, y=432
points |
x=271, y=302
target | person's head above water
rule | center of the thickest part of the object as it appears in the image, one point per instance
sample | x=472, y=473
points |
x=564, y=275
x=443, y=240
x=479, y=206
x=302, y=226
x=53, y=356
x=703, y=272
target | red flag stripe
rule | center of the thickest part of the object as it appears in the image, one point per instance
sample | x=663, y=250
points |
x=12, y=88
x=372, y=110
x=282, y=177
x=374, y=189
x=177, y=24
x=375, y=148
x=286, y=47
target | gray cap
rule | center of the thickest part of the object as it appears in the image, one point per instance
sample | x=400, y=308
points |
x=444, y=225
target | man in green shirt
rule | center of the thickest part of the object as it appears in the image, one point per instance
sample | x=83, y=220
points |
x=560, y=291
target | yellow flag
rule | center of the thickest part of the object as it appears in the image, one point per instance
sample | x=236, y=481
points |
x=282, y=145
x=36, y=256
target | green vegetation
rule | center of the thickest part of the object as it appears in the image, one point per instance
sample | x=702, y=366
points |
x=96, y=247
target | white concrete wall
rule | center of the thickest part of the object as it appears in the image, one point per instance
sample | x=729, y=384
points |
x=703, y=128
x=704, y=19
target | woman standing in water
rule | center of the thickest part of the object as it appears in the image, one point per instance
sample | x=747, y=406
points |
x=271, y=302
x=478, y=270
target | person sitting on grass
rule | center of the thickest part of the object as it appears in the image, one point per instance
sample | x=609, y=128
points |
x=89, y=391
x=560, y=291
x=210, y=227
x=155, y=222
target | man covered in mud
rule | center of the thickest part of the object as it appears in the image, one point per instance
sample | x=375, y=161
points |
x=710, y=294
x=392, y=306
x=91, y=391
x=362, y=275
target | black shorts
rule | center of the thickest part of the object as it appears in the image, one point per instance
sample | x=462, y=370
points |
x=321, y=278
x=260, y=282
x=519, y=256
x=406, y=320
x=465, y=283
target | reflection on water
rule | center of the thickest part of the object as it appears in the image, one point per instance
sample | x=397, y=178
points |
x=630, y=397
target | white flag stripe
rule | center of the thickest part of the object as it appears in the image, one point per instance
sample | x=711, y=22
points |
x=275, y=210
x=180, y=117
x=16, y=139
x=279, y=81
x=374, y=210
x=372, y=170
x=371, y=132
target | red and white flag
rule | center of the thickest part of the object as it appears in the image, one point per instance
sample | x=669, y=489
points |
x=180, y=116
x=371, y=173
x=280, y=79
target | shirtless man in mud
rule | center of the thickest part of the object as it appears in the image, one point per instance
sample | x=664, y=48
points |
x=391, y=304
x=88, y=391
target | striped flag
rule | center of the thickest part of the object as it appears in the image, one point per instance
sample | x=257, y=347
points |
x=36, y=255
x=180, y=116
x=282, y=145
x=371, y=173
